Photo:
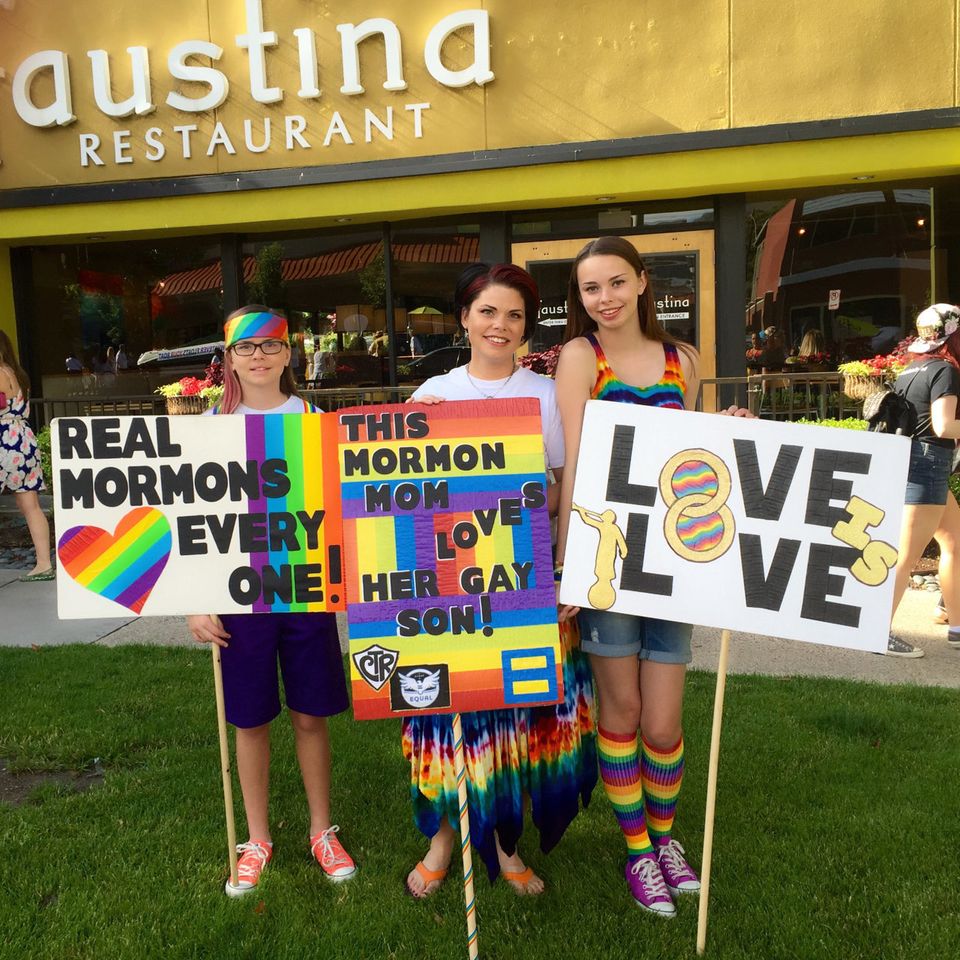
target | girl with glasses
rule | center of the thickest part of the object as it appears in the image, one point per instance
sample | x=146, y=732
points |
x=258, y=380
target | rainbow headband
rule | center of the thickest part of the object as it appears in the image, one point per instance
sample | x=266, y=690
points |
x=259, y=324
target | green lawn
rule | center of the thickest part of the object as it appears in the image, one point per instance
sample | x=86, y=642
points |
x=837, y=831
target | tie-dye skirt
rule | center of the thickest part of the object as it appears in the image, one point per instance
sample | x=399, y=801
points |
x=547, y=753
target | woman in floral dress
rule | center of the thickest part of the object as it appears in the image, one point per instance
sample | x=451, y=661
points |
x=20, y=458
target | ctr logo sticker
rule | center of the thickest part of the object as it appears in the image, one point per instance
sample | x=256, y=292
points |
x=376, y=664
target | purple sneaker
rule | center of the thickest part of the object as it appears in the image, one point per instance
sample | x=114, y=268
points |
x=677, y=874
x=646, y=884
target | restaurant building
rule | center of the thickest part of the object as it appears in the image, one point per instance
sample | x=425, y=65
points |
x=790, y=165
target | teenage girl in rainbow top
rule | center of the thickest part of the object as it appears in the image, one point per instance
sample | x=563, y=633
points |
x=613, y=342
x=257, y=379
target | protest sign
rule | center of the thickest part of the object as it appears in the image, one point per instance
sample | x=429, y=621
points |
x=448, y=562
x=182, y=515
x=780, y=529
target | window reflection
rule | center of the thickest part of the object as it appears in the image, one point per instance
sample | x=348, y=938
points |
x=852, y=267
x=333, y=289
x=106, y=305
x=674, y=280
x=426, y=264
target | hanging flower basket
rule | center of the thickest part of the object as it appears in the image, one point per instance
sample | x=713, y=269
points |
x=190, y=395
x=181, y=405
x=859, y=387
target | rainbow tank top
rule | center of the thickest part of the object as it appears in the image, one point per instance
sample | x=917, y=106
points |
x=668, y=391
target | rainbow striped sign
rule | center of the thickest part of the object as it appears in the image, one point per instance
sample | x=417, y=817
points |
x=448, y=560
x=180, y=515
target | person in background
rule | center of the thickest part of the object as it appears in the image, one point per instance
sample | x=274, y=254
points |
x=20, y=470
x=324, y=364
x=416, y=345
x=74, y=364
x=121, y=361
x=258, y=380
x=296, y=358
x=379, y=345
x=931, y=383
x=774, y=355
x=812, y=344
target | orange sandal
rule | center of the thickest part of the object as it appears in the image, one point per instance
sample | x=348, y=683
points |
x=520, y=881
x=427, y=876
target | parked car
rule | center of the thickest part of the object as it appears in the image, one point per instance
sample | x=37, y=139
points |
x=434, y=363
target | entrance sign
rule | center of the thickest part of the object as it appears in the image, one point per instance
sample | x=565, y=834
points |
x=770, y=528
x=448, y=562
x=182, y=515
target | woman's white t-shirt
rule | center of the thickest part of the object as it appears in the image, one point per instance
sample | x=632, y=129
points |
x=455, y=385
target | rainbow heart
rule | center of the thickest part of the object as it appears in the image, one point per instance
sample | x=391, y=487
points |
x=123, y=566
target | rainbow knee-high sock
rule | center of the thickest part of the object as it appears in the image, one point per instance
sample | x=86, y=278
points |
x=662, y=772
x=622, y=781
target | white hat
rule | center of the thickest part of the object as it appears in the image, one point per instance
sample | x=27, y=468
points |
x=934, y=325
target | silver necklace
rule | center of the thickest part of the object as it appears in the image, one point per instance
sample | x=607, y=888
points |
x=483, y=393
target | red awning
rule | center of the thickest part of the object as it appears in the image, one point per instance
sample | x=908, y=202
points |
x=335, y=263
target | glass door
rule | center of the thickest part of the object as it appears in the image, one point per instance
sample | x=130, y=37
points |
x=680, y=266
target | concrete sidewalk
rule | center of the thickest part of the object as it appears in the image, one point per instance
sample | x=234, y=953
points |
x=28, y=617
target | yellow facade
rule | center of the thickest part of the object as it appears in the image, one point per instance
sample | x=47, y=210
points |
x=695, y=173
x=563, y=72
x=7, y=324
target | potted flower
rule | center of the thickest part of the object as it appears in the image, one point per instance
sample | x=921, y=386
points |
x=544, y=363
x=190, y=395
x=815, y=362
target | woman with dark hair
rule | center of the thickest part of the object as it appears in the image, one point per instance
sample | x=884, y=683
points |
x=615, y=349
x=547, y=753
x=20, y=458
x=931, y=384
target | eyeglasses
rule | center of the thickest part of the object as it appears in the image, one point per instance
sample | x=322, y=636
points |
x=246, y=348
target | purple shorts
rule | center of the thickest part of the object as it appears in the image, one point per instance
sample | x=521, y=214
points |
x=308, y=648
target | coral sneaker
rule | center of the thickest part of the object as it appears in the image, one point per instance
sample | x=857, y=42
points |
x=254, y=855
x=335, y=862
x=677, y=874
x=646, y=884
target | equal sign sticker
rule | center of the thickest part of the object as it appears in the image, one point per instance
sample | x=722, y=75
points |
x=529, y=675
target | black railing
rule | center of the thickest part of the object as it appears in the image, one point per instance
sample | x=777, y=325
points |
x=781, y=396
x=42, y=410
x=774, y=396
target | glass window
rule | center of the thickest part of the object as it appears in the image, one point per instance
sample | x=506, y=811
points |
x=107, y=306
x=332, y=287
x=674, y=280
x=427, y=260
x=617, y=218
x=853, y=267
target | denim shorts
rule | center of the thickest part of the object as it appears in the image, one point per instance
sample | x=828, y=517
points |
x=607, y=634
x=929, y=472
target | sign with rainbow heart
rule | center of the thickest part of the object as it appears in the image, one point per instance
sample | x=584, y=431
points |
x=779, y=529
x=448, y=563
x=181, y=515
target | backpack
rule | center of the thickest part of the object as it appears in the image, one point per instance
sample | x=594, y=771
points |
x=887, y=411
